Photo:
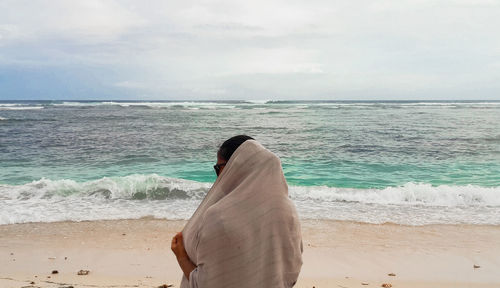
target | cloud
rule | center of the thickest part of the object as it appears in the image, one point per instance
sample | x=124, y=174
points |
x=90, y=20
x=246, y=49
x=281, y=60
x=130, y=85
x=8, y=33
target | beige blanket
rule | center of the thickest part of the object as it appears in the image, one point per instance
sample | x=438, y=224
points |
x=246, y=231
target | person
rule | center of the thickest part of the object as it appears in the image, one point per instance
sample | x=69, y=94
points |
x=246, y=231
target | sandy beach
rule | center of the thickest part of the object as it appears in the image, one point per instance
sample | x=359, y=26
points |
x=136, y=253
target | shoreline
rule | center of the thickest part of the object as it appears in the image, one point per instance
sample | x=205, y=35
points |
x=136, y=253
x=302, y=220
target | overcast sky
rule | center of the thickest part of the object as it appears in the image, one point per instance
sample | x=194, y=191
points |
x=175, y=50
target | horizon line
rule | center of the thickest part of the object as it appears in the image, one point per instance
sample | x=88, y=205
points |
x=250, y=100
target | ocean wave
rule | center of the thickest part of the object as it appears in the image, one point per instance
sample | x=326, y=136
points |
x=2, y=118
x=430, y=103
x=132, y=187
x=195, y=105
x=77, y=104
x=258, y=102
x=19, y=107
x=409, y=194
x=155, y=187
x=253, y=104
x=137, y=196
x=146, y=104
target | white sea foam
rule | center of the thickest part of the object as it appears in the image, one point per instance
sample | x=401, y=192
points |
x=15, y=106
x=2, y=118
x=408, y=194
x=195, y=105
x=138, y=196
x=448, y=103
x=157, y=187
x=77, y=104
x=185, y=104
x=259, y=102
x=22, y=108
x=430, y=105
x=132, y=187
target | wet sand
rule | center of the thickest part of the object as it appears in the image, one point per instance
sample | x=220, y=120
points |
x=136, y=253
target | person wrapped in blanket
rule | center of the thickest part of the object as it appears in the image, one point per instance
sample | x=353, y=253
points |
x=246, y=231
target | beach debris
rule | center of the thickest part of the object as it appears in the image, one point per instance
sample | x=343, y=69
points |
x=32, y=282
x=391, y=274
x=48, y=276
x=166, y=285
x=123, y=234
x=83, y=272
x=11, y=253
x=65, y=258
x=476, y=266
x=52, y=258
x=386, y=285
x=67, y=287
x=55, y=272
x=364, y=283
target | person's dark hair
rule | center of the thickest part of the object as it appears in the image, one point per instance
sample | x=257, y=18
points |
x=227, y=148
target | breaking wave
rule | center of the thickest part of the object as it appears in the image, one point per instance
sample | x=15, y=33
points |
x=137, y=196
x=155, y=187
x=408, y=194
x=132, y=187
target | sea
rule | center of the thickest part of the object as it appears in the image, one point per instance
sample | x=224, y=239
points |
x=403, y=162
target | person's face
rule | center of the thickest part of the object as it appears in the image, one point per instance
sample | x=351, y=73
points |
x=221, y=163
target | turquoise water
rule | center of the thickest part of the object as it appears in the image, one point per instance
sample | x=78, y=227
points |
x=324, y=146
x=357, y=145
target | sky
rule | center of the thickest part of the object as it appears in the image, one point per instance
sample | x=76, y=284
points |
x=250, y=50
